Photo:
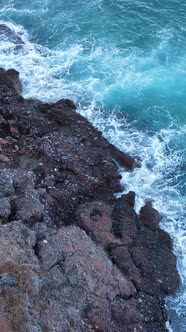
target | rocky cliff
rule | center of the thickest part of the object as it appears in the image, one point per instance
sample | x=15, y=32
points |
x=72, y=256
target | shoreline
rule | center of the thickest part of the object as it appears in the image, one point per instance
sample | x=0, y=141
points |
x=79, y=257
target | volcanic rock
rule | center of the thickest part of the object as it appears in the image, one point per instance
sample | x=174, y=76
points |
x=72, y=256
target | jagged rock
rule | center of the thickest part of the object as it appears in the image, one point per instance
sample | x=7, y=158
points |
x=17, y=242
x=28, y=205
x=157, y=269
x=120, y=255
x=3, y=158
x=123, y=159
x=5, y=208
x=72, y=256
x=149, y=216
x=19, y=283
x=10, y=79
x=4, y=324
x=6, y=183
x=95, y=219
x=125, y=220
x=13, y=76
x=126, y=312
x=8, y=34
x=89, y=281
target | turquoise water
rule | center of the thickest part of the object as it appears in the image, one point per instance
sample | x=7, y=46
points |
x=124, y=64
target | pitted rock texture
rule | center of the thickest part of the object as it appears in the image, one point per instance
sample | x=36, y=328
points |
x=72, y=256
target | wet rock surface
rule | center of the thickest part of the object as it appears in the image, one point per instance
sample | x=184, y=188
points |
x=72, y=256
x=8, y=34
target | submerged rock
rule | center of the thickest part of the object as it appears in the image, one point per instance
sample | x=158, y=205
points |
x=8, y=34
x=72, y=256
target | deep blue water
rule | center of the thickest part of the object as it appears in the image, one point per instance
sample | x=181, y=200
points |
x=124, y=63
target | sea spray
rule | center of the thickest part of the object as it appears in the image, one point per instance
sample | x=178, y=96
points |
x=123, y=63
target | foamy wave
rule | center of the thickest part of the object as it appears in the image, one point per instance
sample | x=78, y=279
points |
x=102, y=76
x=158, y=161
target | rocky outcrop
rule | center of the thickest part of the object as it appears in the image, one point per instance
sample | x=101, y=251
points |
x=72, y=256
x=8, y=34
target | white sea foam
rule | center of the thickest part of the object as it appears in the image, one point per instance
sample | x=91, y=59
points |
x=51, y=75
x=151, y=180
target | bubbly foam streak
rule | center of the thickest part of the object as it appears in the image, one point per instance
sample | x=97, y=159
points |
x=144, y=86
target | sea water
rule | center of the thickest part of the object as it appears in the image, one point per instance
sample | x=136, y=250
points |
x=123, y=62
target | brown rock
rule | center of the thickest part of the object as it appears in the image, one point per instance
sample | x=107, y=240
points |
x=54, y=276
x=149, y=216
x=90, y=280
x=4, y=158
x=122, y=158
x=4, y=324
x=95, y=219
x=125, y=219
x=126, y=312
x=121, y=257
